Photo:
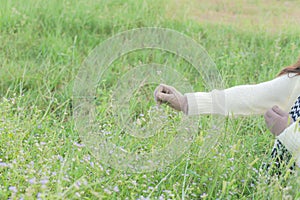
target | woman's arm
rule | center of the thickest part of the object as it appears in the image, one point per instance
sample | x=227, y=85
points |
x=246, y=99
x=290, y=137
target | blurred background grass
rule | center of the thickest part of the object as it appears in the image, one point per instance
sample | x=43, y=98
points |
x=43, y=44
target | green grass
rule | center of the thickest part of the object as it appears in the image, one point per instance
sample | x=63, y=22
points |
x=43, y=44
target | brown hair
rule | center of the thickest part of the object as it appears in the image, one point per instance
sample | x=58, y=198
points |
x=295, y=68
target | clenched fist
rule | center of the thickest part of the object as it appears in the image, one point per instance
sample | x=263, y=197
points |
x=168, y=94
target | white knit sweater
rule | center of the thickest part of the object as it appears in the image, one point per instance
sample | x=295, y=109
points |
x=253, y=100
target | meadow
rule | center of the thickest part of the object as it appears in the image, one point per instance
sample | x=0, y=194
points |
x=43, y=45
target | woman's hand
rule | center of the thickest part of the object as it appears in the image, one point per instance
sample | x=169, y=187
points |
x=168, y=94
x=277, y=120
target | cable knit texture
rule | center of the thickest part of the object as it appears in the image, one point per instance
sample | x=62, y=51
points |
x=290, y=137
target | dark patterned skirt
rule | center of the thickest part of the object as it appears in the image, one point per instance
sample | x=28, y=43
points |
x=280, y=160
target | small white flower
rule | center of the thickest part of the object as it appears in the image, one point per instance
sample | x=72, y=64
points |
x=107, y=191
x=13, y=189
x=116, y=189
x=204, y=195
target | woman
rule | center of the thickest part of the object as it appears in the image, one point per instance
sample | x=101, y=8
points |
x=273, y=98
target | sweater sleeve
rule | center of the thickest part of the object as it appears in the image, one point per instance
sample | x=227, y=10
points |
x=290, y=137
x=246, y=99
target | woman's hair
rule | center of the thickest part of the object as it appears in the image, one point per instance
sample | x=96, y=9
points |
x=295, y=68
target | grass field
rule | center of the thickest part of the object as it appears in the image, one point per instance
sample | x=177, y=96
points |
x=44, y=43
